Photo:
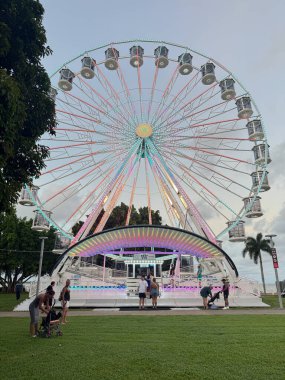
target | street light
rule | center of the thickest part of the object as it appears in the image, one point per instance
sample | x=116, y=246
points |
x=42, y=238
x=275, y=265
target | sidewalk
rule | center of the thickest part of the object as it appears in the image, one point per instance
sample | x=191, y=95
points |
x=151, y=312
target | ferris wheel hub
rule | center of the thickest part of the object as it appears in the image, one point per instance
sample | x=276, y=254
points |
x=144, y=130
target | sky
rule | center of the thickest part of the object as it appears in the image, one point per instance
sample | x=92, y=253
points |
x=245, y=36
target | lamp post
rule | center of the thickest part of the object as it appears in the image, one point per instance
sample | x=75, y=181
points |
x=42, y=238
x=275, y=265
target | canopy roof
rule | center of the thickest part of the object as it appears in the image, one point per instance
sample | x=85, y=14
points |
x=161, y=237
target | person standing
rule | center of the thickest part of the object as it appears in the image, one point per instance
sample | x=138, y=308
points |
x=142, y=288
x=41, y=302
x=199, y=275
x=205, y=292
x=50, y=288
x=154, y=292
x=65, y=299
x=226, y=290
x=18, y=289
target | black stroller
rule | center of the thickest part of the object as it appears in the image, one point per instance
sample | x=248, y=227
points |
x=211, y=304
x=50, y=324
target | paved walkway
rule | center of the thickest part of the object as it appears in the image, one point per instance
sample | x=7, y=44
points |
x=148, y=312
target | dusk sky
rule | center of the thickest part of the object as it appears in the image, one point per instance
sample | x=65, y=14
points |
x=245, y=36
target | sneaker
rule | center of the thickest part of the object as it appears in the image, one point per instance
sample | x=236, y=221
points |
x=225, y=308
x=34, y=336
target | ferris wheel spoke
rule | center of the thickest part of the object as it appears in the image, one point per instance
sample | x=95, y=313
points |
x=176, y=98
x=165, y=199
x=71, y=172
x=169, y=123
x=202, y=163
x=87, y=112
x=114, y=95
x=132, y=194
x=119, y=186
x=205, y=190
x=198, y=220
x=201, y=99
x=119, y=119
x=206, y=197
x=221, y=180
x=91, y=193
x=165, y=95
x=105, y=103
x=148, y=194
x=77, y=180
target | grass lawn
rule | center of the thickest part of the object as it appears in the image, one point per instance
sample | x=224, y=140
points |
x=273, y=301
x=230, y=347
x=8, y=301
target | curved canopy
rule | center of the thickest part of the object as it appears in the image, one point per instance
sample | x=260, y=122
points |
x=158, y=237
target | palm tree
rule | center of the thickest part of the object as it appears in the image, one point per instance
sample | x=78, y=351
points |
x=254, y=247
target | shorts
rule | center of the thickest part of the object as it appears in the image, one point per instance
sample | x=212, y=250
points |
x=34, y=314
x=142, y=295
x=154, y=292
x=226, y=295
x=65, y=304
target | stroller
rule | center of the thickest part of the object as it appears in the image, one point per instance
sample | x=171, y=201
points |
x=211, y=301
x=50, y=324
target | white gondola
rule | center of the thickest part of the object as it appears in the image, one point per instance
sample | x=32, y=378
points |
x=87, y=70
x=40, y=223
x=161, y=56
x=111, y=59
x=61, y=243
x=52, y=93
x=255, y=130
x=136, y=53
x=260, y=156
x=228, y=89
x=255, y=209
x=26, y=196
x=237, y=233
x=208, y=73
x=257, y=180
x=65, y=79
x=244, y=107
x=185, y=62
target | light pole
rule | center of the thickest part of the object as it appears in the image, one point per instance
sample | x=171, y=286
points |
x=275, y=265
x=42, y=238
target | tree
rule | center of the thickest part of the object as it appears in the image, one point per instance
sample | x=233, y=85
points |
x=143, y=216
x=26, y=109
x=254, y=247
x=20, y=250
x=118, y=218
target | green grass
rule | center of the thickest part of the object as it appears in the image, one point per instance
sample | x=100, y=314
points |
x=147, y=347
x=272, y=301
x=8, y=301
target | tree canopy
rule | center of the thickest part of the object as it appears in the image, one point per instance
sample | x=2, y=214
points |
x=26, y=109
x=20, y=250
x=119, y=215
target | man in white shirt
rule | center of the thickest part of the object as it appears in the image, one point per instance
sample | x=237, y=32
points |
x=142, y=291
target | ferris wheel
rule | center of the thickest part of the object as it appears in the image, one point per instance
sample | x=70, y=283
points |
x=151, y=123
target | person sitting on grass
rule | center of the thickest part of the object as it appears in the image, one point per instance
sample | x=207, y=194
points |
x=41, y=302
x=205, y=292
